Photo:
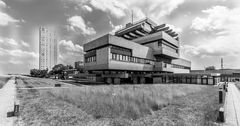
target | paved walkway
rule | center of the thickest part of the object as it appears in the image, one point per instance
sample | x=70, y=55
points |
x=7, y=96
x=42, y=88
x=232, y=106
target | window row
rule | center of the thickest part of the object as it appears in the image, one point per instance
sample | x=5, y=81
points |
x=179, y=66
x=121, y=49
x=131, y=59
x=90, y=59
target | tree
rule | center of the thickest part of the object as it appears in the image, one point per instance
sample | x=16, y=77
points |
x=38, y=73
x=58, y=70
x=210, y=68
x=69, y=67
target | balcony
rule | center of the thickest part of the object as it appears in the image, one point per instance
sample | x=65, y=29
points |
x=161, y=66
x=120, y=75
x=166, y=52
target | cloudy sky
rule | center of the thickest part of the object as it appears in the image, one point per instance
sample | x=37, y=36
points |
x=209, y=29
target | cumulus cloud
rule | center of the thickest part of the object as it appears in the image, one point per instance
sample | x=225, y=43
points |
x=153, y=8
x=6, y=19
x=114, y=28
x=17, y=55
x=14, y=58
x=2, y=4
x=219, y=18
x=224, y=23
x=24, y=43
x=141, y=8
x=174, y=28
x=87, y=8
x=17, y=61
x=114, y=7
x=76, y=23
x=70, y=52
x=10, y=46
x=10, y=43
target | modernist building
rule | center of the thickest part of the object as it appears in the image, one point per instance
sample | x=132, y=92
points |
x=47, y=48
x=135, y=53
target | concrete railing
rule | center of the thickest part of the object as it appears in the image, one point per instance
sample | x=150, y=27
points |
x=223, y=89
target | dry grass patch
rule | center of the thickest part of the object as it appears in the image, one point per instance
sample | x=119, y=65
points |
x=238, y=85
x=3, y=80
x=123, y=101
x=137, y=105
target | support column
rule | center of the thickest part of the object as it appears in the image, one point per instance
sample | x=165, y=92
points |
x=135, y=80
x=116, y=80
x=109, y=80
x=167, y=79
x=142, y=80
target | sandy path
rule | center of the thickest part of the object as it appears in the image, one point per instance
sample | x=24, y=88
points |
x=7, y=96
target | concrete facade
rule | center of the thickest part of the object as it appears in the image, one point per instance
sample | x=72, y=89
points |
x=135, y=53
x=48, y=48
x=205, y=79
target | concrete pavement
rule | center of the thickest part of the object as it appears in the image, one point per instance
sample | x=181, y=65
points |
x=7, y=97
x=232, y=106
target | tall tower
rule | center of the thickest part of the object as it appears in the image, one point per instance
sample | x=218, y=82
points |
x=221, y=63
x=48, y=48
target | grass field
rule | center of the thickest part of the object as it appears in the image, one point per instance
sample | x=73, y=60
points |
x=238, y=85
x=3, y=80
x=120, y=105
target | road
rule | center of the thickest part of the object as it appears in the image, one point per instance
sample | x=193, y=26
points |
x=7, y=97
x=232, y=106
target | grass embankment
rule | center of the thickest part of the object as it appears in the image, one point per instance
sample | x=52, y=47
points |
x=3, y=80
x=238, y=85
x=119, y=105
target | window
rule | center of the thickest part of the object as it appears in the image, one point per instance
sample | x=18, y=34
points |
x=114, y=56
x=160, y=43
x=124, y=58
x=117, y=57
x=120, y=57
x=90, y=59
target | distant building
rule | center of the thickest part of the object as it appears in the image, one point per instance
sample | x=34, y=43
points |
x=48, y=48
x=135, y=53
x=78, y=64
x=225, y=74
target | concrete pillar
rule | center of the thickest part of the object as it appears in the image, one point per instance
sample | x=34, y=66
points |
x=220, y=96
x=116, y=80
x=167, y=79
x=188, y=80
x=142, y=80
x=221, y=115
x=16, y=108
x=109, y=80
x=184, y=80
x=135, y=80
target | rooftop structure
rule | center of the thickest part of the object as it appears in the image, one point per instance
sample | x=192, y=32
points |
x=135, y=53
